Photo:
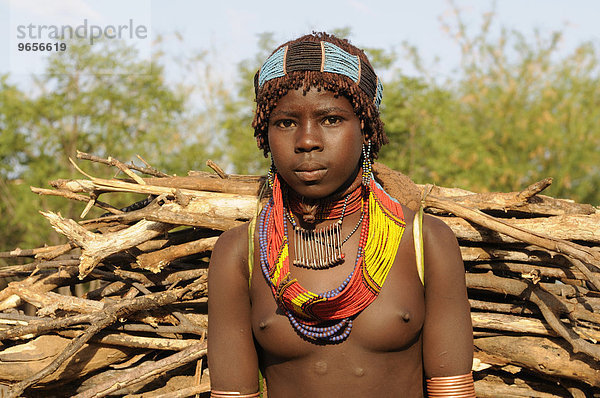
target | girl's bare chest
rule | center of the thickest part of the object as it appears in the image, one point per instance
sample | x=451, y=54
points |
x=392, y=322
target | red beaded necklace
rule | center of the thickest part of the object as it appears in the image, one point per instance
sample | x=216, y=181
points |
x=326, y=210
x=328, y=316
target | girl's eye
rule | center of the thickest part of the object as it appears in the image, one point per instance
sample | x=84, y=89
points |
x=286, y=123
x=331, y=120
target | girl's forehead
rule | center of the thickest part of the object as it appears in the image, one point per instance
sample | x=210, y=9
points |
x=314, y=97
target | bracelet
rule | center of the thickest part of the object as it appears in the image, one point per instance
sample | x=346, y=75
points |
x=460, y=386
x=229, y=394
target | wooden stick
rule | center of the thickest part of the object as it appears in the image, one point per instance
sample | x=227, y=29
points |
x=525, y=325
x=216, y=169
x=74, y=196
x=582, y=253
x=44, y=325
x=112, y=162
x=528, y=269
x=186, y=392
x=114, y=185
x=50, y=302
x=527, y=201
x=58, y=251
x=104, y=291
x=128, y=340
x=134, y=276
x=541, y=298
x=501, y=201
x=407, y=192
x=495, y=389
x=544, y=301
x=164, y=216
x=543, y=355
x=516, y=308
x=157, y=260
x=145, y=371
x=9, y=271
x=179, y=276
x=33, y=252
x=176, y=215
x=511, y=323
x=183, y=320
x=568, y=227
x=529, y=254
x=121, y=166
x=533, y=189
x=577, y=311
x=144, y=161
x=96, y=247
x=179, y=329
x=102, y=319
x=40, y=283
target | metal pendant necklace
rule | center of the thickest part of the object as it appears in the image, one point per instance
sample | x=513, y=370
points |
x=320, y=248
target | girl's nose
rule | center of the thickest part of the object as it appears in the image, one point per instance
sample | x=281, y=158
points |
x=308, y=138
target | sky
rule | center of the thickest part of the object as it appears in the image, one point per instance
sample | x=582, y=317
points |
x=230, y=28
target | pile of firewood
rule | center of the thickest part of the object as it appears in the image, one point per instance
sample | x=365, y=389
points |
x=121, y=308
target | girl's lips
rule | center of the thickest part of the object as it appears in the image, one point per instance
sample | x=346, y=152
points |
x=310, y=175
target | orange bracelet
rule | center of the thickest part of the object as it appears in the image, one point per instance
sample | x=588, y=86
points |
x=230, y=394
x=460, y=386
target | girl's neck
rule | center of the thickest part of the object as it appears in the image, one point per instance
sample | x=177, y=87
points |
x=312, y=211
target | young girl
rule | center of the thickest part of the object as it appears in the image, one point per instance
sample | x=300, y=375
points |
x=322, y=292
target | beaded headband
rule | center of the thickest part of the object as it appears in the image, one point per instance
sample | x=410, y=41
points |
x=320, y=57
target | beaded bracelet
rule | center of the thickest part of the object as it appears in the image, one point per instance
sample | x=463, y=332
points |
x=230, y=394
x=460, y=386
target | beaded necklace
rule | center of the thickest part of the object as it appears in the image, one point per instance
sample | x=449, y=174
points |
x=327, y=317
x=328, y=210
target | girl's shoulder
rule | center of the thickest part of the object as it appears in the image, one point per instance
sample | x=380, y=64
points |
x=230, y=254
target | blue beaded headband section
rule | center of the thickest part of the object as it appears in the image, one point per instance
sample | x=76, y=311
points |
x=320, y=57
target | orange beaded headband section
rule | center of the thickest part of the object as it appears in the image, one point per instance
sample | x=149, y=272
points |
x=320, y=57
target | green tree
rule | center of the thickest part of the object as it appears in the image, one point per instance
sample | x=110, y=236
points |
x=240, y=150
x=13, y=155
x=98, y=99
x=516, y=112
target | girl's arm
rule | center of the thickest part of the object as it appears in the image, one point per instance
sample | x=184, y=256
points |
x=447, y=332
x=232, y=356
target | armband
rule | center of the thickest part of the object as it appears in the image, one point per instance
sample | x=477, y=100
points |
x=231, y=394
x=460, y=386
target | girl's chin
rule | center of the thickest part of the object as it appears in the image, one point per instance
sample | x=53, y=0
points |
x=314, y=191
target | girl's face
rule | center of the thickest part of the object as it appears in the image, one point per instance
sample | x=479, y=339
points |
x=316, y=142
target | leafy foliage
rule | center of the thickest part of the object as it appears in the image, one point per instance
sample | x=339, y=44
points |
x=518, y=112
x=241, y=152
x=81, y=104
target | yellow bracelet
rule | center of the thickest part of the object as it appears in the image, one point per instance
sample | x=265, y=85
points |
x=460, y=386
